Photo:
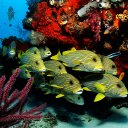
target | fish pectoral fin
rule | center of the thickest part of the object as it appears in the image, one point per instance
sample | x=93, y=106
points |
x=76, y=69
x=56, y=86
x=99, y=97
x=59, y=95
x=86, y=89
x=65, y=64
x=100, y=87
x=69, y=51
x=56, y=57
x=48, y=92
x=77, y=62
x=49, y=75
x=20, y=53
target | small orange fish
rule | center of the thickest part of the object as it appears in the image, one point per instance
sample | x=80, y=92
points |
x=121, y=76
x=116, y=23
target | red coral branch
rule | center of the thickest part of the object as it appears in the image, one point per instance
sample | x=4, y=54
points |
x=11, y=105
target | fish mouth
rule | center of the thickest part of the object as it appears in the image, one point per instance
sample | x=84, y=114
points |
x=124, y=96
x=114, y=73
x=99, y=69
x=79, y=92
x=12, y=53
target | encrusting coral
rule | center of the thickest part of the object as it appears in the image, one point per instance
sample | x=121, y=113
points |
x=12, y=103
x=60, y=24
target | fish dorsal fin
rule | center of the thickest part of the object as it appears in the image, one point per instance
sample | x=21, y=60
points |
x=59, y=95
x=56, y=86
x=99, y=97
x=100, y=87
x=13, y=44
x=68, y=51
x=86, y=89
x=56, y=57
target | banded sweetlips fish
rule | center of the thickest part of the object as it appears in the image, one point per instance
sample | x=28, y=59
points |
x=106, y=85
x=54, y=67
x=24, y=73
x=63, y=84
x=45, y=52
x=72, y=98
x=80, y=60
x=9, y=51
x=33, y=58
x=75, y=99
x=108, y=64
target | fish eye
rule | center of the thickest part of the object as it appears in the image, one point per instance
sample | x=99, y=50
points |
x=35, y=52
x=113, y=66
x=37, y=63
x=94, y=59
x=71, y=82
x=119, y=86
x=78, y=98
x=49, y=53
x=60, y=67
x=25, y=72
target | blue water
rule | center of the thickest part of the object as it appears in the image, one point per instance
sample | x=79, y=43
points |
x=20, y=7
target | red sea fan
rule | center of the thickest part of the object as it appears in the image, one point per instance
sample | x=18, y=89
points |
x=11, y=105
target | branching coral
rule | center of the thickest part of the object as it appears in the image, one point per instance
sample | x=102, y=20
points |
x=12, y=103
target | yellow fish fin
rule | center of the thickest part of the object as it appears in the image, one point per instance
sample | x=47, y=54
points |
x=48, y=68
x=69, y=51
x=86, y=89
x=99, y=97
x=56, y=86
x=77, y=62
x=77, y=69
x=20, y=53
x=59, y=95
x=47, y=93
x=49, y=75
x=65, y=64
x=100, y=87
x=56, y=57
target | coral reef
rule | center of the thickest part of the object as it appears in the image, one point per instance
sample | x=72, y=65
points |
x=48, y=121
x=60, y=24
x=12, y=103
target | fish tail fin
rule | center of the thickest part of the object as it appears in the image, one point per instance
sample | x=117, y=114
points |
x=56, y=57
